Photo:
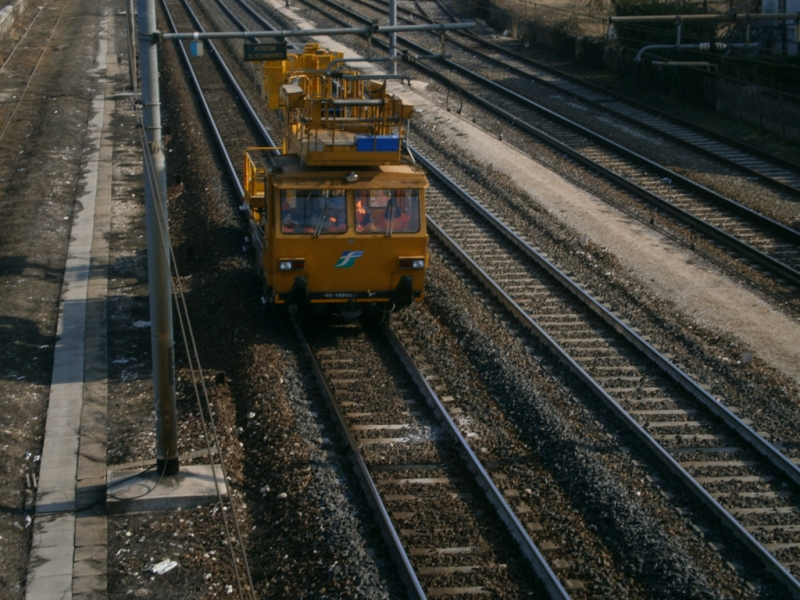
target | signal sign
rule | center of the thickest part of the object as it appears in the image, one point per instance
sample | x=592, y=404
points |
x=270, y=51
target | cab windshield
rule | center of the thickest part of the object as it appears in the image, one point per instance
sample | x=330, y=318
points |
x=313, y=211
x=387, y=211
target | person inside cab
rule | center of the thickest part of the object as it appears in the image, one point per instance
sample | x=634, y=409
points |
x=387, y=211
x=396, y=217
x=313, y=211
x=289, y=221
x=364, y=222
x=331, y=214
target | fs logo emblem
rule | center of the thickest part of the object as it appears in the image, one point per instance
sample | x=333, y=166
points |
x=348, y=259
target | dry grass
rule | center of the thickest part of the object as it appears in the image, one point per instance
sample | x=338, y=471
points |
x=579, y=17
x=587, y=18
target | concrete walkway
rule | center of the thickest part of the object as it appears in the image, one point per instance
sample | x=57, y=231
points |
x=68, y=558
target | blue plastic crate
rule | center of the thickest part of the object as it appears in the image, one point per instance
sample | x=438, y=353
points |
x=377, y=143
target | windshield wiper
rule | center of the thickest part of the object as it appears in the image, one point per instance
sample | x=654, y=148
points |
x=322, y=217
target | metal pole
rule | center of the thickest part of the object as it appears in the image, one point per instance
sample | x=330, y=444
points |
x=158, y=267
x=393, y=35
x=784, y=36
x=132, y=46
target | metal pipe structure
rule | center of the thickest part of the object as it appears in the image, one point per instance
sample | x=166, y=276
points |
x=158, y=263
x=704, y=46
x=677, y=63
x=732, y=17
x=747, y=18
x=131, y=23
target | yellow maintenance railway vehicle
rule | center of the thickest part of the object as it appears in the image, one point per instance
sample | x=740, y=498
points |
x=338, y=217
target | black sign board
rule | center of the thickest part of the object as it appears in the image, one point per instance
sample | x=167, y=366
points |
x=271, y=51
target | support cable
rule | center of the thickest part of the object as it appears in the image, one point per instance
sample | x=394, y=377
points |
x=192, y=353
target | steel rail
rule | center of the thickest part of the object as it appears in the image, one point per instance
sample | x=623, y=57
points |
x=748, y=434
x=30, y=76
x=600, y=105
x=761, y=445
x=407, y=573
x=406, y=570
x=788, y=232
x=712, y=136
x=517, y=531
x=749, y=541
x=368, y=30
x=772, y=564
x=254, y=119
x=529, y=549
x=713, y=232
x=233, y=175
x=493, y=494
x=23, y=38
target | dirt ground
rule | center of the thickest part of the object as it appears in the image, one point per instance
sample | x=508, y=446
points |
x=41, y=162
x=710, y=298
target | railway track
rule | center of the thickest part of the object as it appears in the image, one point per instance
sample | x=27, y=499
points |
x=440, y=510
x=761, y=242
x=234, y=126
x=473, y=533
x=746, y=481
x=20, y=64
x=754, y=162
x=643, y=388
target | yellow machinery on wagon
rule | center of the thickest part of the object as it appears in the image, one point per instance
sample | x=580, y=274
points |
x=338, y=218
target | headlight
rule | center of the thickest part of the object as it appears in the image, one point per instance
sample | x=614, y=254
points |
x=412, y=263
x=292, y=265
